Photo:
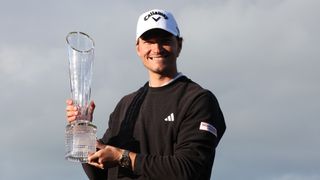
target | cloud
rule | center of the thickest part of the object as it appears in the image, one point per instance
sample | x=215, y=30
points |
x=260, y=58
x=293, y=176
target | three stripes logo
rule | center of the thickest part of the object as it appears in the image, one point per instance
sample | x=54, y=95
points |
x=170, y=117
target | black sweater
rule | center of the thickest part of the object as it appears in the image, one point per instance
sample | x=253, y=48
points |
x=175, y=134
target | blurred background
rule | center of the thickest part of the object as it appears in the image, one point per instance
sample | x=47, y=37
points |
x=260, y=58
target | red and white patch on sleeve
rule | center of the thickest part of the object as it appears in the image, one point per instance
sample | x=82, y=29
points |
x=208, y=127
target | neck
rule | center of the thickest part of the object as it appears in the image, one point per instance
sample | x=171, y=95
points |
x=158, y=80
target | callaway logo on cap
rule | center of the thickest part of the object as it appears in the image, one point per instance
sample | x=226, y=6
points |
x=154, y=19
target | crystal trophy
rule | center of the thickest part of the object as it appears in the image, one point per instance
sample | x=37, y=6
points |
x=80, y=135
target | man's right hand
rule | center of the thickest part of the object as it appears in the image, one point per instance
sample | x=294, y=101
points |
x=72, y=111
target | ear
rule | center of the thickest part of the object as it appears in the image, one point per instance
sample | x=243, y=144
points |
x=179, y=46
x=138, y=47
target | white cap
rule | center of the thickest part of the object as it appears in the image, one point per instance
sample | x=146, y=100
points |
x=157, y=19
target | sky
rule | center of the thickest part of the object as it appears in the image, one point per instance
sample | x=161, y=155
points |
x=259, y=57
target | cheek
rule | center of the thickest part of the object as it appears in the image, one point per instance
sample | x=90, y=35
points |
x=141, y=51
x=174, y=51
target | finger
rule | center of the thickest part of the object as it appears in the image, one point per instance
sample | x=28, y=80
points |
x=101, y=166
x=100, y=161
x=69, y=102
x=71, y=108
x=72, y=113
x=92, y=158
x=95, y=160
x=96, y=165
x=70, y=119
x=90, y=153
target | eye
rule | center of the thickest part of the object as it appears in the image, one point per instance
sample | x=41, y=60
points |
x=147, y=42
x=166, y=41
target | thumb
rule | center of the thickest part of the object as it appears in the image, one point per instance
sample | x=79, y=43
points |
x=92, y=157
x=92, y=106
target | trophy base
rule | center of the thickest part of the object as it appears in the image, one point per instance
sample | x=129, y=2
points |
x=80, y=141
x=77, y=157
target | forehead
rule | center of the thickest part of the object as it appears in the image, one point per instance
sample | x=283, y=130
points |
x=156, y=33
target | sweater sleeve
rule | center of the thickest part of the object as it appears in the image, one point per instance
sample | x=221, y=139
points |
x=194, y=151
x=94, y=173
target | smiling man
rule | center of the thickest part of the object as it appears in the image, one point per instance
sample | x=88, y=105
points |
x=170, y=127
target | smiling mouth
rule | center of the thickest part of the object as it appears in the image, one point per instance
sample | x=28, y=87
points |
x=157, y=57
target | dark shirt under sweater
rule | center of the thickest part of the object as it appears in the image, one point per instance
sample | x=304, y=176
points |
x=175, y=134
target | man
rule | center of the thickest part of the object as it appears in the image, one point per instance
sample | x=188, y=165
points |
x=169, y=128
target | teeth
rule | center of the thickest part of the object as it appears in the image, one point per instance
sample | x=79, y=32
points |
x=155, y=58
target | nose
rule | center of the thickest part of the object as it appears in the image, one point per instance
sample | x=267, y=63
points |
x=157, y=47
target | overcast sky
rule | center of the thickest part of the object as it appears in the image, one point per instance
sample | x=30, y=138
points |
x=259, y=57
